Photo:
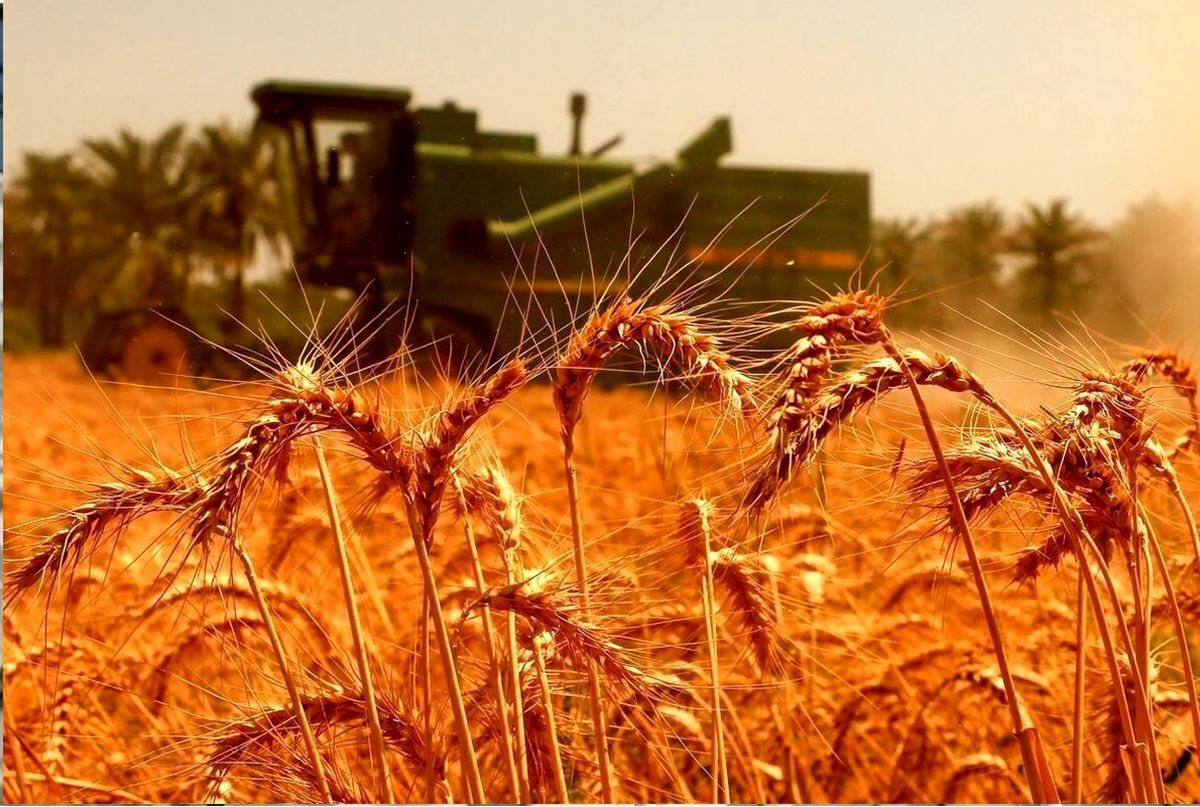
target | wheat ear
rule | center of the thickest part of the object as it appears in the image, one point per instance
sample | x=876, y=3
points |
x=238, y=739
x=549, y=611
x=435, y=457
x=840, y=402
x=1180, y=373
x=106, y=514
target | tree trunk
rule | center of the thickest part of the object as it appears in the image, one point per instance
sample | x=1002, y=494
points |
x=237, y=291
x=50, y=291
x=1050, y=292
x=49, y=314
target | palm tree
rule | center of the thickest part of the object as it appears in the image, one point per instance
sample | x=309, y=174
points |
x=46, y=224
x=143, y=201
x=897, y=243
x=236, y=206
x=1055, y=243
x=972, y=238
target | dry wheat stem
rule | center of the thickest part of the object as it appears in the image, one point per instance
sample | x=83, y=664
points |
x=489, y=632
x=952, y=376
x=538, y=645
x=1078, y=728
x=675, y=339
x=1083, y=543
x=264, y=610
x=838, y=405
x=356, y=629
x=695, y=531
x=434, y=457
x=490, y=494
x=18, y=758
x=1181, y=638
x=446, y=650
x=1096, y=396
x=599, y=730
x=70, y=783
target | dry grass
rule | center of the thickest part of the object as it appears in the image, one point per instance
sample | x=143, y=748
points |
x=746, y=586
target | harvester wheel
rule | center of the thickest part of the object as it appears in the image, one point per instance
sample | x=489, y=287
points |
x=156, y=352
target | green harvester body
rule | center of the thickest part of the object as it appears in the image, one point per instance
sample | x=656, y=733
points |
x=450, y=216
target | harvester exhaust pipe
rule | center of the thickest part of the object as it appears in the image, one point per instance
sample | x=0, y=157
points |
x=578, y=108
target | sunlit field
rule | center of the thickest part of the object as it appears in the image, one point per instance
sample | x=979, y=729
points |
x=847, y=571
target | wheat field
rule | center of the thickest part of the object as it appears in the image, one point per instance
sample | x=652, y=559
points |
x=847, y=571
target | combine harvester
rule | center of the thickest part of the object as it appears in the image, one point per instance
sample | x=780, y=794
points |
x=420, y=208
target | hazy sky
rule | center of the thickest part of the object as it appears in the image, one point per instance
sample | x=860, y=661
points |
x=943, y=102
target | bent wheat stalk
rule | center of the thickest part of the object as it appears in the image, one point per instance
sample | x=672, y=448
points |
x=952, y=376
x=862, y=388
x=674, y=338
x=838, y=404
x=1078, y=728
x=1083, y=544
x=422, y=499
x=1181, y=636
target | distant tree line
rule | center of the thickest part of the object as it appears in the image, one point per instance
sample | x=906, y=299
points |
x=1046, y=263
x=135, y=217
x=131, y=220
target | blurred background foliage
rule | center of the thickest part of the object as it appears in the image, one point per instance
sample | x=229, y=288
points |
x=194, y=215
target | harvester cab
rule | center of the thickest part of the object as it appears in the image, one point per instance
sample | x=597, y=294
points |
x=421, y=207
x=345, y=161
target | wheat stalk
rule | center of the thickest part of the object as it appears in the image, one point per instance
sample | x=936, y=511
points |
x=356, y=628
x=510, y=757
x=695, y=532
